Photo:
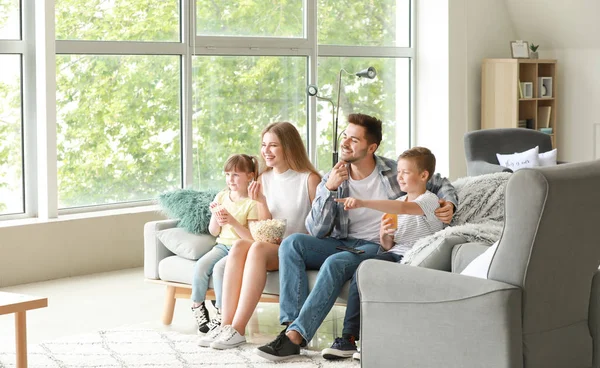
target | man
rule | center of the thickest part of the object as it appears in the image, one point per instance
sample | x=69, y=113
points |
x=359, y=174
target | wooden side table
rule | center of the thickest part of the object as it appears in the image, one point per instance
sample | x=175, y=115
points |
x=19, y=304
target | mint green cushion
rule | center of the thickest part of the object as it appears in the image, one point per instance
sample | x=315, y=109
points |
x=191, y=207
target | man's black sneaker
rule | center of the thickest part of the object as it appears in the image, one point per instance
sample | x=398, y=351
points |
x=342, y=347
x=279, y=349
x=201, y=317
x=303, y=344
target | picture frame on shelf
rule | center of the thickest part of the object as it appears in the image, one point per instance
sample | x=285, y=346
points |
x=527, y=88
x=519, y=49
x=545, y=87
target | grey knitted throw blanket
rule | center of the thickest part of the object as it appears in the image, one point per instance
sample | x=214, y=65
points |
x=480, y=214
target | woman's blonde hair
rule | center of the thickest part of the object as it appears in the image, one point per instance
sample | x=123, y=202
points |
x=242, y=163
x=294, y=152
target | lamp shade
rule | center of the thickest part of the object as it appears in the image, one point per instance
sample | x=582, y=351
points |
x=370, y=73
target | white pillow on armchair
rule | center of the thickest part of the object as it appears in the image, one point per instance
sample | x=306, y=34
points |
x=480, y=266
x=548, y=158
x=520, y=160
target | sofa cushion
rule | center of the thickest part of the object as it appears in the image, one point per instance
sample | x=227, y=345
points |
x=463, y=254
x=185, y=244
x=439, y=254
x=191, y=207
x=177, y=269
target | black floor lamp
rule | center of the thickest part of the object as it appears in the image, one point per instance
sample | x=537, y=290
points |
x=313, y=91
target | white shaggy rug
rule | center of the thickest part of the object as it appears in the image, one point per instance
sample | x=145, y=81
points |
x=149, y=349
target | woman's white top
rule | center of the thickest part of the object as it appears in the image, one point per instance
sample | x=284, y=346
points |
x=287, y=198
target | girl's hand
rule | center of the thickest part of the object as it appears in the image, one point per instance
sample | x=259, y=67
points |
x=350, y=203
x=225, y=218
x=255, y=192
x=215, y=207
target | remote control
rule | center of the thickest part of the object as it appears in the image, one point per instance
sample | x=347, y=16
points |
x=351, y=250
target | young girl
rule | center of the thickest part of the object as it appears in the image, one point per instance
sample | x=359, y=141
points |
x=285, y=190
x=232, y=210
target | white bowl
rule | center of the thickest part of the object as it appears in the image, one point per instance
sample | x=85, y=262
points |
x=270, y=231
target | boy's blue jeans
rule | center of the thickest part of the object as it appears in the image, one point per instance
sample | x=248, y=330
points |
x=202, y=272
x=352, y=317
x=299, y=253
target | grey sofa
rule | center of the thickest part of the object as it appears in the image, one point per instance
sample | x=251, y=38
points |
x=481, y=147
x=539, y=306
x=163, y=267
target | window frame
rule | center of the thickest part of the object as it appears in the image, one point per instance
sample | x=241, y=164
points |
x=23, y=48
x=40, y=47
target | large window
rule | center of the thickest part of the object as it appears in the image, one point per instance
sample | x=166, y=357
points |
x=12, y=190
x=123, y=20
x=250, y=18
x=364, y=23
x=118, y=103
x=234, y=98
x=11, y=159
x=386, y=97
x=118, y=128
x=154, y=95
x=10, y=20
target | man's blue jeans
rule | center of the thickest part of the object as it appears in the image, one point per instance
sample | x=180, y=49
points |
x=299, y=253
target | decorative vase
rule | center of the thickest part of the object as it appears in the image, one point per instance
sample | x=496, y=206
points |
x=533, y=55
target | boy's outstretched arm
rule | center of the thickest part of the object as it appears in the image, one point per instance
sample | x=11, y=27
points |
x=383, y=205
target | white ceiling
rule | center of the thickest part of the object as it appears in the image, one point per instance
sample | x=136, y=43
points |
x=557, y=24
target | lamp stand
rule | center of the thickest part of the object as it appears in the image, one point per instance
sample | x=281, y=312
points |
x=335, y=122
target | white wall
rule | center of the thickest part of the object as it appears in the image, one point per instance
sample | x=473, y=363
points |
x=453, y=39
x=432, y=80
x=458, y=88
x=489, y=30
x=568, y=31
x=70, y=247
x=578, y=117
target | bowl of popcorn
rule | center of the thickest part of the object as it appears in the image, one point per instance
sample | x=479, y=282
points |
x=270, y=231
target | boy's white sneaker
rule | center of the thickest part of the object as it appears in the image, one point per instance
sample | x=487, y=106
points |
x=228, y=339
x=210, y=337
x=356, y=356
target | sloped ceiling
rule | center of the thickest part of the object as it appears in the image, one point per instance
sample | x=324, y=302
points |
x=557, y=24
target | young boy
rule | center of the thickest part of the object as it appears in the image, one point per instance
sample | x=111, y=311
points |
x=416, y=219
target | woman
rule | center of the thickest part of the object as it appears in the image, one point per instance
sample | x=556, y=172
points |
x=285, y=190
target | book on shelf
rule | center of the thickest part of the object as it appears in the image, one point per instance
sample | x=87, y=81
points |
x=544, y=116
x=520, y=89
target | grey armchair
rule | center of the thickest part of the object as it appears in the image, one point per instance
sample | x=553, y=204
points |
x=538, y=308
x=481, y=147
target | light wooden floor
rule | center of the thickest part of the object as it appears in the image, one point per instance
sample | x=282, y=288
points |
x=84, y=304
